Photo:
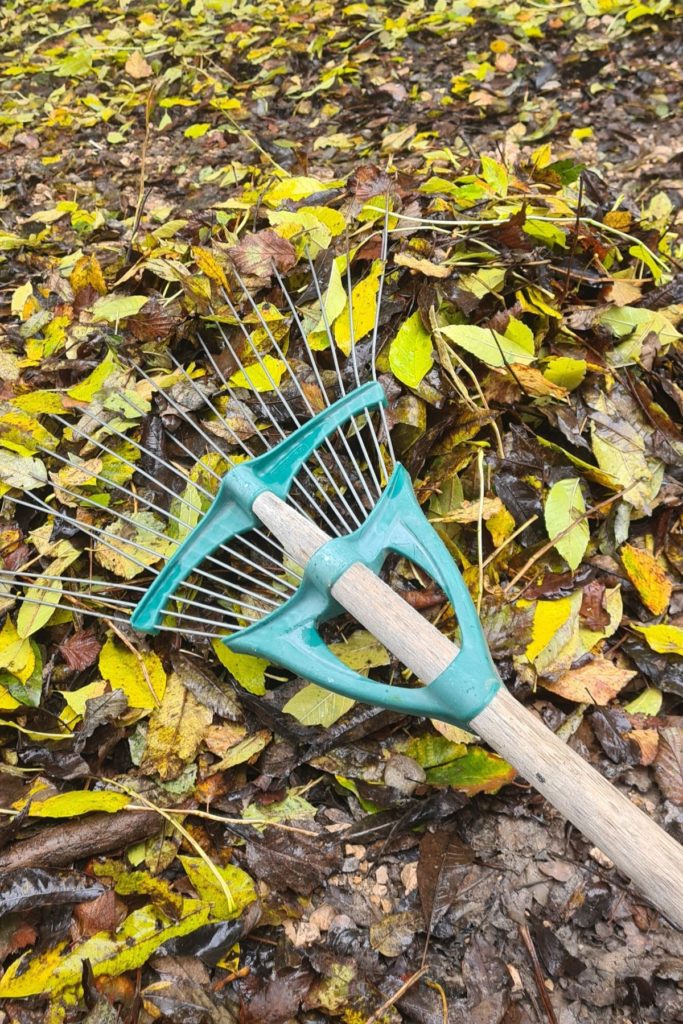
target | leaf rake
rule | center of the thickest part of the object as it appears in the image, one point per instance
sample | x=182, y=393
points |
x=269, y=506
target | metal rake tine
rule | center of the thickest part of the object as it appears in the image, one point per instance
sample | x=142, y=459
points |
x=318, y=377
x=269, y=416
x=181, y=412
x=122, y=516
x=307, y=403
x=99, y=535
x=266, y=537
x=206, y=400
x=128, y=586
x=289, y=410
x=335, y=360
x=384, y=256
x=118, y=602
x=102, y=616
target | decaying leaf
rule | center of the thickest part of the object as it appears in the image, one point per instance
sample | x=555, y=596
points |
x=596, y=682
x=176, y=730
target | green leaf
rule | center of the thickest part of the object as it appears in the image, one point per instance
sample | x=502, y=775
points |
x=476, y=772
x=111, y=308
x=495, y=175
x=315, y=706
x=564, y=505
x=31, y=617
x=250, y=672
x=361, y=652
x=492, y=348
x=410, y=352
x=633, y=325
x=71, y=805
x=292, y=808
x=224, y=900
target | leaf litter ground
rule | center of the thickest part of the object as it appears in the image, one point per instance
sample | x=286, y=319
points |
x=218, y=843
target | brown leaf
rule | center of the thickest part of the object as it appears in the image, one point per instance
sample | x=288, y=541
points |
x=256, y=253
x=286, y=861
x=137, y=67
x=596, y=682
x=80, y=650
x=669, y=764
x=593, y=612
x=155, y=321
x=442, y=855
x=104, y=914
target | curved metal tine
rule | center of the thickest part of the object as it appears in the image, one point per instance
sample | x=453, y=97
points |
x=306, y=400
x=384, y=255
x=337, y=368
x=314, y=365
x=150, y=529
x=121, y=586
x=210, y=496
x=97, y=534
x=354, y=363
x=130, y=605
x=154, y=480
x=98, y=614
x=252, y=422
x=269, y=416
x=181, y=412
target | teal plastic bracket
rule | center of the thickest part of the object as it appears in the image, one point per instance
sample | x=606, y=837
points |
x=289, y=636
x=230, y=513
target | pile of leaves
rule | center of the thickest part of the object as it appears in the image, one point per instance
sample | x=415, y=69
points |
x=187, y=833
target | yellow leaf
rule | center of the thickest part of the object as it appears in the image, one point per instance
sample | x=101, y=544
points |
x=555, y=634
x=250, y=672
x=664, y=639
x=295, y=189
x=209, y=265
x=313, y=705
x=109, y=954
x=648, y=577
x=224, y=901
x=70, y=805
x=259, y=377
x=410, y=352
x=243, y=750
x=176, y=731
x=87, y=271
x=94, y=382
x=596, y=682
x=139, y=674
x=16, y=654
x=364, y=309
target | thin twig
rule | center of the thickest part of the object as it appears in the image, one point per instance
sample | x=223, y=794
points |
x=551, y=543
x=525, y=935
x=398, y=994
x=480, y=531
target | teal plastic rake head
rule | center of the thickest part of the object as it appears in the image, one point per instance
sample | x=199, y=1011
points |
x=290, y=635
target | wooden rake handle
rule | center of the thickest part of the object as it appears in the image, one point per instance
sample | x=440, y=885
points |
x=638, y=847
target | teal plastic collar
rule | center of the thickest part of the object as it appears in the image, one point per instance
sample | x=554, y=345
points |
x=230, y=513
x=289, y=636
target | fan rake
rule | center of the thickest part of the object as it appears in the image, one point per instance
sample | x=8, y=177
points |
x=266, y=505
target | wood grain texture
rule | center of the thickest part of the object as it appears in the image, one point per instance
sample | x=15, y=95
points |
x=638, y=847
